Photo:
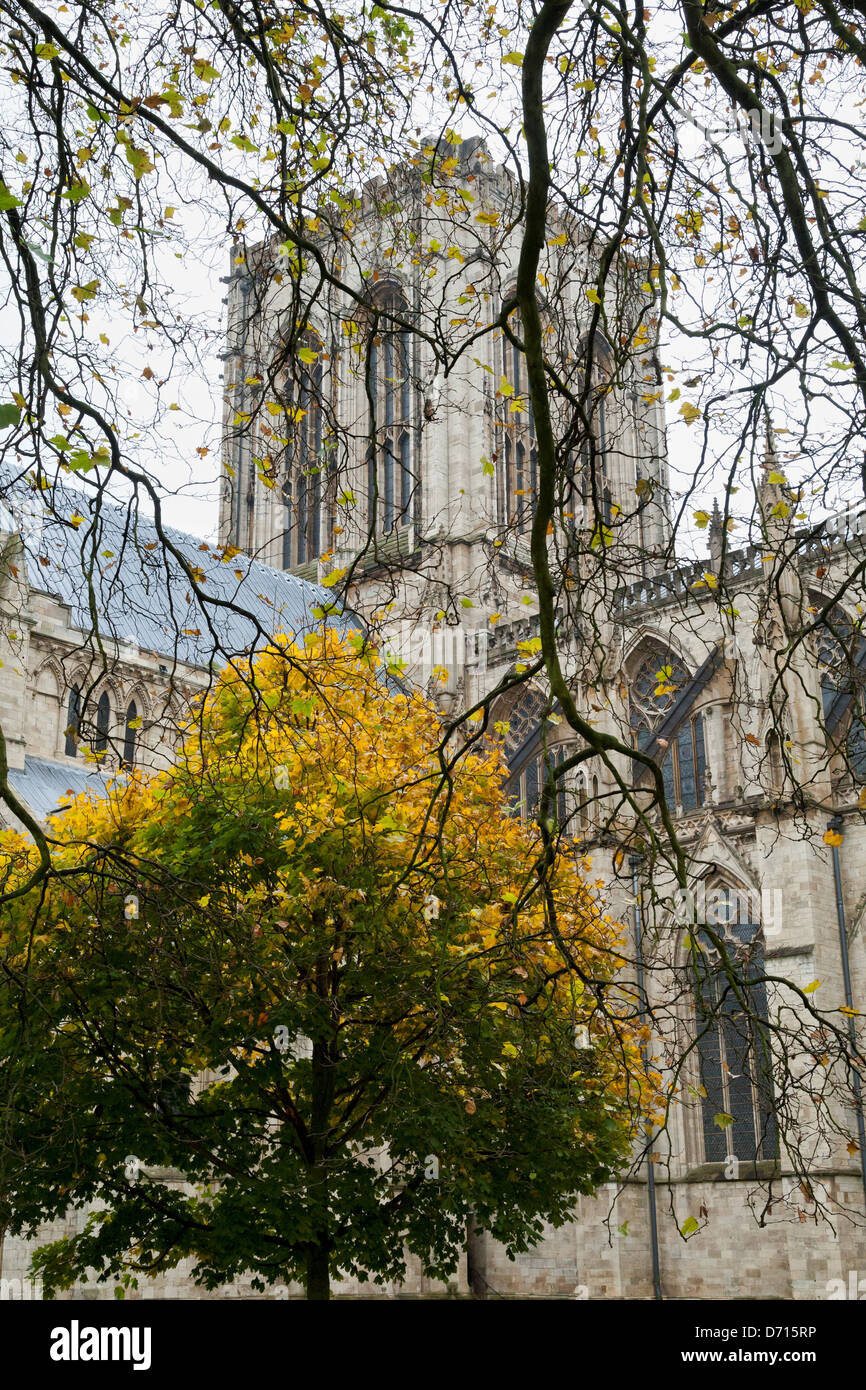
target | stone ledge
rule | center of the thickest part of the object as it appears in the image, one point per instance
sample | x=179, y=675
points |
x=761, y=1171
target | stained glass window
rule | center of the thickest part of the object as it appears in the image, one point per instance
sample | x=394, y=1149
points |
x=733, y=1041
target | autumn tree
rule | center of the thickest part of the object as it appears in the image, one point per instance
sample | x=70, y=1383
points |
x=316, y=971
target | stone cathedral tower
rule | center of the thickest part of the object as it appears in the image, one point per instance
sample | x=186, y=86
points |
x=439, y=472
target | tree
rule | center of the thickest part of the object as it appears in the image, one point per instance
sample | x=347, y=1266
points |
x=316, y=970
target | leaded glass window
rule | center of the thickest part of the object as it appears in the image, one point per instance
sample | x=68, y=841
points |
x=733, y=1040
x=73, y=722
x=103, y=722
x=659, y=681
x=515, y=435
x=390, y=479
x=303, y=483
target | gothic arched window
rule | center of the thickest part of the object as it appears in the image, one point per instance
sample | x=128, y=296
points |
x=73, y=721
x=658, y=682
x=856, y=749
x=837, y=644
x=537, y=776
x=594, y=487
x=733, y=1040
x=129, y=735
x=103, y=723
x=390, y=479
x=840, y=649
x=515, y=434
x=305, y=456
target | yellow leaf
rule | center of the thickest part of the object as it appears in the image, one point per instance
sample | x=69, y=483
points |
x=592, y=296
x=833, y=837
x=333, y=578
x=689, y=412
x=810, y=988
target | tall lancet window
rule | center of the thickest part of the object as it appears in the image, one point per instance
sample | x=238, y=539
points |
x=733, y=1039
x=390, y=479
x=594, y=482
x=304, y=480
x=103, y=723
x=130, y=734
x=840, y=650
x=73, y=722
x=838, y=646
x=655, y=687
x=516, y=450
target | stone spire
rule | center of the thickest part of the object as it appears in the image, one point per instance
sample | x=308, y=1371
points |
x=716, y=537
x=772, y=504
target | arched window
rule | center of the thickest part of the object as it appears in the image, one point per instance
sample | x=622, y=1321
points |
x=73, y=722
x=523, y=719
x=130, y=733
x=838, y=646
x=303, y=484
x=658, y=682
x=515, y=435
x=531, y=782
x=840, y=651
x=856, y=749
x=390, y=479
x=581, y=799
x=594, y=449
x=103, y=723
x=733, y=1040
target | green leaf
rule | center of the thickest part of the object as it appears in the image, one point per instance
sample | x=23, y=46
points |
x=689, y=1226
x=139, y=160
x=40, y=255
x=76, y=192
x=7, y=199
x=9, y=415
x=204, y=70
x=723, y=1120
x=514, y=58
x=85, y=292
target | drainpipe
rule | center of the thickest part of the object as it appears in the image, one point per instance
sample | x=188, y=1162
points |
x=836, y=824
x=651, y=1177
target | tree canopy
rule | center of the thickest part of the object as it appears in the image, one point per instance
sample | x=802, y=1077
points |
x=314, y=973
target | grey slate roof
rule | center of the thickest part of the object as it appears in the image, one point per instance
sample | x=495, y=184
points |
x=42, y=785
x=141, y=593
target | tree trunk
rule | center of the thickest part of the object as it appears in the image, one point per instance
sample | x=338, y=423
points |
x=318, y=1280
